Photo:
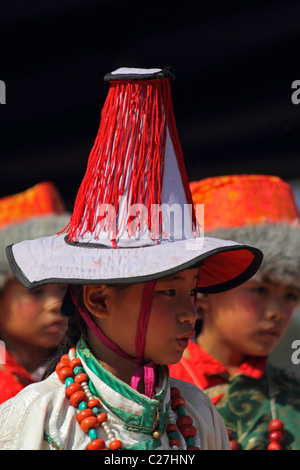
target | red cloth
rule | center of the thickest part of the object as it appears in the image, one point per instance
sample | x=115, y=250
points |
x=203, y=370
x=13, y=378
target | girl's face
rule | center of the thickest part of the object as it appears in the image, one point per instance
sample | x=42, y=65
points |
x=32, y=317
x=172, y=318
x=171, y=321
x=248, y=320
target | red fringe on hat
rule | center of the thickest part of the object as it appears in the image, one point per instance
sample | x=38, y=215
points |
x=128, y=155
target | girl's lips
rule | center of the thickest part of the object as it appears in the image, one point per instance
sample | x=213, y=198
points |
x=56, y=326
x=184, y=341
x=272, y=333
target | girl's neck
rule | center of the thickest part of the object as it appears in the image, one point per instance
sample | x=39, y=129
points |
x=117, y=365
x=230, y=358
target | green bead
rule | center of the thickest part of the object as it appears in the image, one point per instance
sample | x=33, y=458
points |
x=93, y=434
x=173, y=435
x=190, y=441
x=82, y=405
x=78, y=370
x=69, y=381
x=180, y=411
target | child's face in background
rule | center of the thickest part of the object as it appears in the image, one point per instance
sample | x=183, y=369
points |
x=250, y=319
x=32, y=317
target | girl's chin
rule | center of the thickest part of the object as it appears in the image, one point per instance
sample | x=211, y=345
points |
x=260, y=351
x=175, y=359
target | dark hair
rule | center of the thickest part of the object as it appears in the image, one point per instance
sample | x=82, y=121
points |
x=76, y=327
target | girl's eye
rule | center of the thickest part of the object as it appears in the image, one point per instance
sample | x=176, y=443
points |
x=260, y=290
x=292, y=296
x=38, y=292
x=169, y=292
x=172, y=292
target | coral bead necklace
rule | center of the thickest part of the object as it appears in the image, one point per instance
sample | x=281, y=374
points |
x=276, y=429
x=276, y=435
x=90, y=416
x=275, y=426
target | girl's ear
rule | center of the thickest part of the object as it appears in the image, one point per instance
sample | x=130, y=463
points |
x=95, y=300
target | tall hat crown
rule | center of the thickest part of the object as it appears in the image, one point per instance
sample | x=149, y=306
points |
x=133, y=218
x=135, y=167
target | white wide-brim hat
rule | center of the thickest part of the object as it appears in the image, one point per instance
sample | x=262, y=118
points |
x=133, y=218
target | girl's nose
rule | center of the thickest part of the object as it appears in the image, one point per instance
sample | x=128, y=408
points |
x=188, y=312
x=275, y=311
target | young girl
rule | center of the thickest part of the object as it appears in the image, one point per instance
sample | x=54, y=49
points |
x=31, y=325
x=239, y=328
x=132, y=269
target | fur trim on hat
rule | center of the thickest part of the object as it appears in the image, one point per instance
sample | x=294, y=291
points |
x=280, y=245
x=30, y=229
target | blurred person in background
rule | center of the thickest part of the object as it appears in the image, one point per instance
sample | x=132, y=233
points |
x=289, y=344
x=238, y=329
x=31, y=325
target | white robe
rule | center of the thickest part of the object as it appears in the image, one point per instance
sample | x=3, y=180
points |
x=43, y=409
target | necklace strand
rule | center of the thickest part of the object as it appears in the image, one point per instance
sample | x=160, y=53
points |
x=180, y=427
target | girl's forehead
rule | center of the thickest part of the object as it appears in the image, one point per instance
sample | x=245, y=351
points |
x=187, y=274
x=271, y=283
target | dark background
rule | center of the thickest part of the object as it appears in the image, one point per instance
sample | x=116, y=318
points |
x=234, y=62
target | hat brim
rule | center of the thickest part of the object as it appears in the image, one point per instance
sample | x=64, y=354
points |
x=280, y=244
x=39, y=226
x=224, y=264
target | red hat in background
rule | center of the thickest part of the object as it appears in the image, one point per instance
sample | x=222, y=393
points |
x=36, y=212
x=258, y=210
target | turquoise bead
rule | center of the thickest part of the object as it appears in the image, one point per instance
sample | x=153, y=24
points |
x=180, y=411
x=82, y=405
x=69, y=381
x=93, y=434
x=190, y=441
x=78, y=370
x=173, y=435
